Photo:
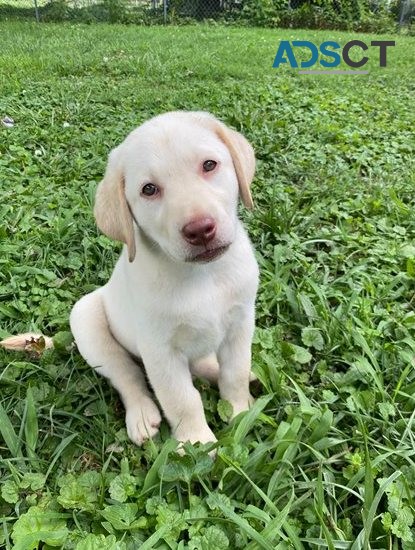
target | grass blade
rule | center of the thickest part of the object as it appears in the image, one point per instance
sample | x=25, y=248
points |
x=368, y=523
x=151, y=478
x=10, y=437
x=31, y=426
x=249, y=418
x=59, y=450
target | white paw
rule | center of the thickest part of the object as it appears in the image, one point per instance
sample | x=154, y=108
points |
x=142, y=420
x=202, y=435
x=242, y=405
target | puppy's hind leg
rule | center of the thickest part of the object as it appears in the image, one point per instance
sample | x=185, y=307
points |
x=101, y=351
x=208, y=368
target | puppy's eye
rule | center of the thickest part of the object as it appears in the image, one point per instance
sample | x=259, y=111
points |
x=150, y=190
x=209, y=165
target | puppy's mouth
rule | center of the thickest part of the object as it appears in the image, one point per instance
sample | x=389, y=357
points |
x=209, y=255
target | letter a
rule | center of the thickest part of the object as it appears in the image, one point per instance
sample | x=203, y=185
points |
x=284, y=49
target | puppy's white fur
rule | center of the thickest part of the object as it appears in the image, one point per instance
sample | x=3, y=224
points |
x=178, y=314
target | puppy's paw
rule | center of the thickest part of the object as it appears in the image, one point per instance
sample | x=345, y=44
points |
x=242, y=405
x=142, y=420
x=203, y=435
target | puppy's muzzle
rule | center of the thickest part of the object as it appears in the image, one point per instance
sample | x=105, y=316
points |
x=200, y=231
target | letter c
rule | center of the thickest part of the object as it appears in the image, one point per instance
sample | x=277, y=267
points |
x=346, y=50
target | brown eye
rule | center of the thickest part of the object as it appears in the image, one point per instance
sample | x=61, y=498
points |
x=209, y=165
x=150, y=190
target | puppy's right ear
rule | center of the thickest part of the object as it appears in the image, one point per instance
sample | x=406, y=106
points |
x=111, y=210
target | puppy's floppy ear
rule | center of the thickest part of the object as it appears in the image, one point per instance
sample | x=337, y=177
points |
x=243, y=160
x=242, y=154
x=111, y=210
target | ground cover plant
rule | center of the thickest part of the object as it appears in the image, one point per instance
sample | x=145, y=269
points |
x=325, y=458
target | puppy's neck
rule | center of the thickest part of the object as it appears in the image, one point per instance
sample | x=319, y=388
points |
x=140, y=235
x=150, y=248
x=147, y=242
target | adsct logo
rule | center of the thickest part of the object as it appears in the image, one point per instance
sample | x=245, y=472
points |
x=286, y=55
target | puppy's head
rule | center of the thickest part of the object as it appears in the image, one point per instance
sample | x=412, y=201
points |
x=177, y=177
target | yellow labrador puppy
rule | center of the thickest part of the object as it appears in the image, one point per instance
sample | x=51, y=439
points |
x=181, y=296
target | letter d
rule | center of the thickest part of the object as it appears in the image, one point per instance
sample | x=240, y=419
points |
x=314, y=52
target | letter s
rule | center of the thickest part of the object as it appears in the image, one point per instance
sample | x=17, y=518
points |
x=329, y=53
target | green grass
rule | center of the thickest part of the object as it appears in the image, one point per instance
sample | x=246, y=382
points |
x=325, y=458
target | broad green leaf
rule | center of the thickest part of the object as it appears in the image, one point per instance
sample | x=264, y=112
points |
x=401, y=527
x=212, y=538
x=296, y=353
x=224, y=410
x=10, y=491
x=153, y=503
x=387, y=521
x=35, y=481
x=122, y=487
x=387, y=410
x=312, y=338
x=38, y=525
x=218, y=501
x=264, y=337
x=63, y=341
x=123, y=516
x=100, y=542
x=79, y=492
x=178, y=468
x=171, y=519
x=186, y=467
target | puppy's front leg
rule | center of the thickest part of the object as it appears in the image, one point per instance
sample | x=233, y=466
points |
x=235, y=364
x=169, y=374
x=105, y=354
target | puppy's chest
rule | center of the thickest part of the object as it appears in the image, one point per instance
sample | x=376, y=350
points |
x=202, y=331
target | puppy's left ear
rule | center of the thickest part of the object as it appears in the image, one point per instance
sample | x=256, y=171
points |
x=242, y=154
x=243, y=160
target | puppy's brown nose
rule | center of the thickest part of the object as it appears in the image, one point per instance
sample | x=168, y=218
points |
x=199, y=231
